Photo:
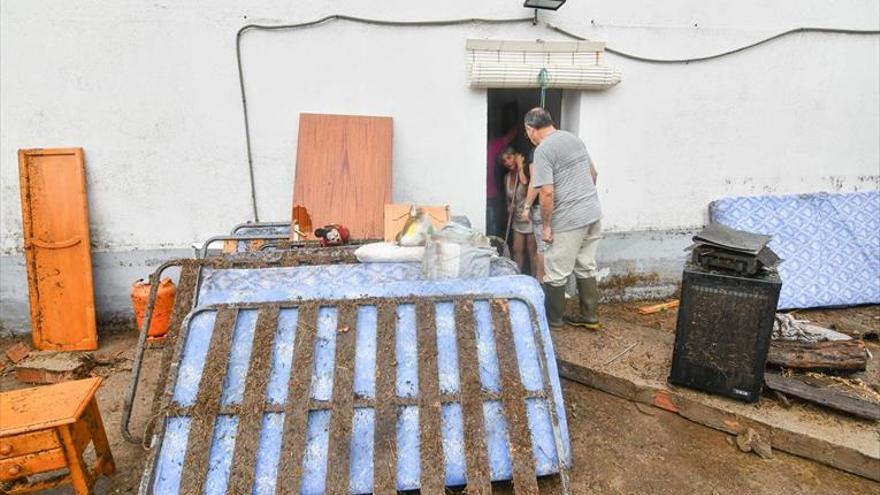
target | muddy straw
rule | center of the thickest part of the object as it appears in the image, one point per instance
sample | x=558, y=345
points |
x=620, y=354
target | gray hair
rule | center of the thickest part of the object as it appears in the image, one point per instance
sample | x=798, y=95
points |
x=538, y=118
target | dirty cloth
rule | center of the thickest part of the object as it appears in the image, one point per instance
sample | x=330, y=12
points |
x=787, y=327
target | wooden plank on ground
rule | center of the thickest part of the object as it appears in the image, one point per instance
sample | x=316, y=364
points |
x=57, y=248
x=837, y=440
x=846, y=355
x=343, y=171
x=823, y=392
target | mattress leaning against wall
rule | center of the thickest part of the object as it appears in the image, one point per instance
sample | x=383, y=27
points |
x=830, y=243
x=528, y=333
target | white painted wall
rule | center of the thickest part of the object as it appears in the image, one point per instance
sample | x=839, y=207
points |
x=151, y=92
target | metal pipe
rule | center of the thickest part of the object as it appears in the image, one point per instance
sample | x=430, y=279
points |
x=244, y=225
x=139, y=351
x=203, y=252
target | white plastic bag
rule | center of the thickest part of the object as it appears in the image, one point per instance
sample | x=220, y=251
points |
x=456, y=251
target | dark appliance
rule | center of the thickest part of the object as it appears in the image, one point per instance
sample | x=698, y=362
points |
x=723, y=330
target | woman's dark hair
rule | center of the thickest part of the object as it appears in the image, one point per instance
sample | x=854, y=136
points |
x=510, y=150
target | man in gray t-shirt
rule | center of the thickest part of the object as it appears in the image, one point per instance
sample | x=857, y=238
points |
x=566, y=179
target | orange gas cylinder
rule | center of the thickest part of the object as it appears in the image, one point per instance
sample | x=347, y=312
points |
x=140, y=294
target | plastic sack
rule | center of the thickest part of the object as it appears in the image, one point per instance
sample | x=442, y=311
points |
x=456, y=251
x=389, y=252
x=416, y=230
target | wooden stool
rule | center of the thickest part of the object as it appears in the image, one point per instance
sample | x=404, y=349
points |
x=45, y=429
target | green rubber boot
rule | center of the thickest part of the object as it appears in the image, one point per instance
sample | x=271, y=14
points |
x=554, y=304
x=588, y=293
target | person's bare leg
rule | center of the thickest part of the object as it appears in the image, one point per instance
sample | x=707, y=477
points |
x=532, y=248
x=519, y=250
x=539, y=267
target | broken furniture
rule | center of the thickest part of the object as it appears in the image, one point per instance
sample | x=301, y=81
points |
x=343, y=171
x=437, y=353
x=723, y=331
x=831, y=243
x=47, y=429
x=57, y=249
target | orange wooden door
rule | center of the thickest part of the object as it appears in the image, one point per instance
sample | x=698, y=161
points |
x=343, y=171
x=55, y=217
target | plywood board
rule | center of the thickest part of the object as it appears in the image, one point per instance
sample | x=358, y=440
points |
x=54, y=212
x=343, y=171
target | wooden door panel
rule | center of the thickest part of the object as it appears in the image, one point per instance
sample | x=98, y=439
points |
x=57, y=251
x=343, y=171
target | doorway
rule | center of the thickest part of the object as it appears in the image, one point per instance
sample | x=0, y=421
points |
x=505, y=111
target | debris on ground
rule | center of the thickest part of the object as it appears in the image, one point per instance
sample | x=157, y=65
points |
x=787, y=327
x=54, y=367
x=17, y=352
x=657, y=308
x=751, y=441
x=842, y=355
x=105, y=358
x=851, y=396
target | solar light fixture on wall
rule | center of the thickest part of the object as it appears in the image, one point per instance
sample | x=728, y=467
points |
x=543, y=4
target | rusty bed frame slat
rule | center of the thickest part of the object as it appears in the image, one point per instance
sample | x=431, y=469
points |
x=297, y=404
x=208, y=400
x=430, y=439
x=385, y=403
x=187, y=298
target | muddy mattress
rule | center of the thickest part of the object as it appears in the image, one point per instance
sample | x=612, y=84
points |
x=450, y=383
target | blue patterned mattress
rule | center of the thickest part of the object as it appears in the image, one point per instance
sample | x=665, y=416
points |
x=830, y=243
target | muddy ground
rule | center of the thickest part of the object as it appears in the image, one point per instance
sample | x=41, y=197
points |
x=619, y=447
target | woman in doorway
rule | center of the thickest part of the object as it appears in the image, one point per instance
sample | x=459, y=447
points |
x=532, y=211
x=516, y=184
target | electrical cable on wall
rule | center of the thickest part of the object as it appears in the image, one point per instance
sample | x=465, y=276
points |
x=717, y=55
x=361, y=20
x=475, y=20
